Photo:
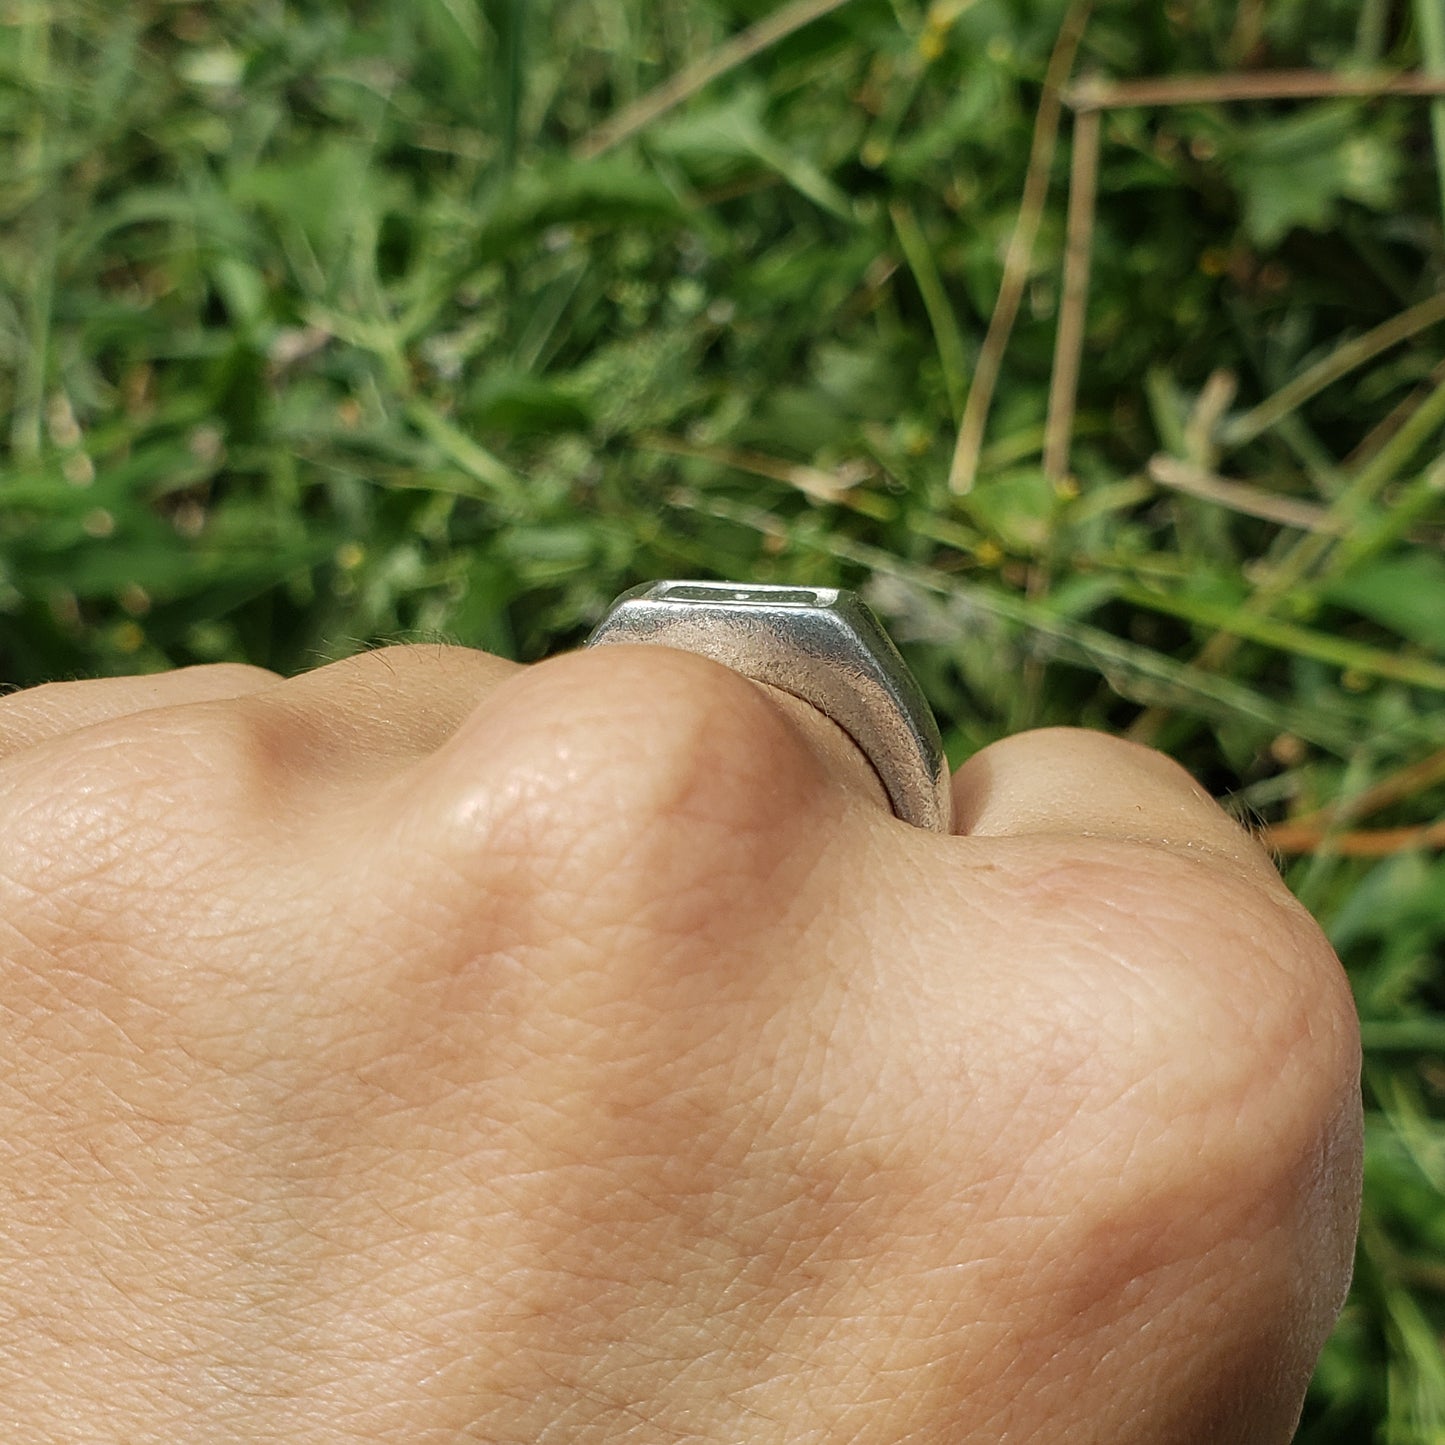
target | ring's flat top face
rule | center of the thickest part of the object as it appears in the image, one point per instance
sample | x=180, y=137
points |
x=749, y=595
x=821, y=644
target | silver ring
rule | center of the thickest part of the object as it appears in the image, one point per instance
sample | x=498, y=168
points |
x=821, y=644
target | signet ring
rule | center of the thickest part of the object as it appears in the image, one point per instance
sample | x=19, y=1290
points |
x=823, y=645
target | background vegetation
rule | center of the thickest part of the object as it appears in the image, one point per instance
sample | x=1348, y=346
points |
x=328, y=323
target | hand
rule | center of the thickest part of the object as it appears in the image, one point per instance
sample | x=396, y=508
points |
x=429, y=1048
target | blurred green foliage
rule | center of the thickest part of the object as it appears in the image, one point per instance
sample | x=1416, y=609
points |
x=315, y=331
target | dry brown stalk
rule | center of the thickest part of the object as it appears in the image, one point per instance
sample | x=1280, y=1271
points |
x=1215, y=398
x=1098, y=94
x=1020, y=252
x=813, y=482
x=1074, y=305
x=1290, y=569
x=1408, y=782
x=1252, y=501
x=1365, y=843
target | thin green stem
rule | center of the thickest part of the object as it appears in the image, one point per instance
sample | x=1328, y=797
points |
x=1339, y=652
x=26, y=429
x=1347, y=509
x=1430, y=19
x=1344, y=359
x=946, y=335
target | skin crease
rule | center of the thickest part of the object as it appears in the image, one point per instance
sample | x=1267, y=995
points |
x=433, y=1048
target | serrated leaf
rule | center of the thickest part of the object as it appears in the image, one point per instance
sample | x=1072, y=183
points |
x=1295, y=171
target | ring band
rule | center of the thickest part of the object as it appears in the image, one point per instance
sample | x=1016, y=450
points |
x=821, y=644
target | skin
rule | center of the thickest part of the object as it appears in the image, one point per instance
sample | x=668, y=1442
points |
x=431, y=1048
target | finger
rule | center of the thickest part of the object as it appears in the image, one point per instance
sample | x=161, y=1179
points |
x=406, y=702
x=391, y=703
x=629, y=720
x=596, y=821
x=1069, y=781
x=54, y=709
x=331, y=732
x=631, y=767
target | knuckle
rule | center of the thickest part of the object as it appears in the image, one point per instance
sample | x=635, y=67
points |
x=1249, y=1035
x=1274, y=990
x=142, y=857
x=1200, y=1059
x=225, y=677
x=652, y=736
x=147, y=798
x=1195, y=996
x=640, y=780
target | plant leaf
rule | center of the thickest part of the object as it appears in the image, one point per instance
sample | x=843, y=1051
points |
x=1295, y=171
x=1405, y=593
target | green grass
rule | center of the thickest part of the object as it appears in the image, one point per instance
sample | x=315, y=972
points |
x=315, y=330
